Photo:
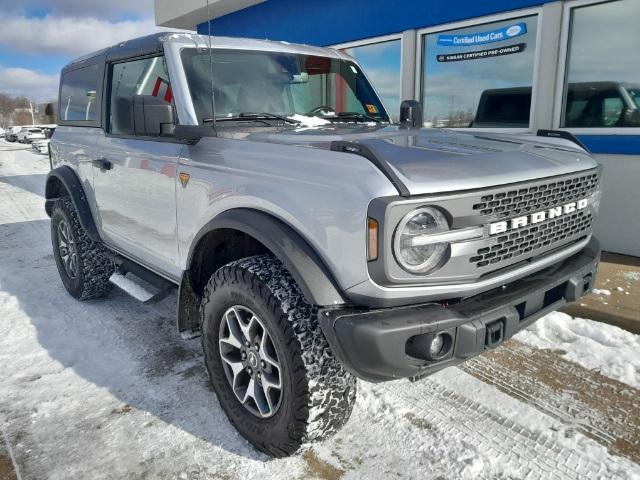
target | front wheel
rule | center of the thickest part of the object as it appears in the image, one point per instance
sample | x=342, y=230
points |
x=83, y=264
x=269, y=362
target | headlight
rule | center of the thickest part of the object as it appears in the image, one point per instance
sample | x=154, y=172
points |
x=412, y=253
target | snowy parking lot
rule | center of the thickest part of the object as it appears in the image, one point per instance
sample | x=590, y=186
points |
x=108, y=389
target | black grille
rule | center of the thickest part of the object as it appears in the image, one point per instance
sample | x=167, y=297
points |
x=534, y=237
x=520, y=201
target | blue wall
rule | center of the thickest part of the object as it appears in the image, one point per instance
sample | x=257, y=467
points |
x=327, y=22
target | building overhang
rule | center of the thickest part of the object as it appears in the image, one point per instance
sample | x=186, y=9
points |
x=187, y=14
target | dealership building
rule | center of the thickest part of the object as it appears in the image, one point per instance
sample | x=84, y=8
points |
x=490, y=65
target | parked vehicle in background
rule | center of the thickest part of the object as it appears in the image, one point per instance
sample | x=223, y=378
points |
x=28, y=135
x=12, y=134
x=2, y=132
x=589, y=105
x=312, y=241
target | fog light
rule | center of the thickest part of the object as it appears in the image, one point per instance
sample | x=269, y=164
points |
x=430, y=346
x=435, y=349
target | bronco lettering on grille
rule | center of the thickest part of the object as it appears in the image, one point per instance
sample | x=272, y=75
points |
x=538, y=217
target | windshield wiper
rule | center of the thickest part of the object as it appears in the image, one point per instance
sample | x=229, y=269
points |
x=248, y=116
x=351, y=116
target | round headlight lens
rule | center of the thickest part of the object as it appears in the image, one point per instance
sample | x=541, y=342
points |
x=416, y=258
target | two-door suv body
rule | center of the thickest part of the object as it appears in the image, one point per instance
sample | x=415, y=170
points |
x=312, y=240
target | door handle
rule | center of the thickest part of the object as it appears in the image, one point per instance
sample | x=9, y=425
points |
x=102, y=164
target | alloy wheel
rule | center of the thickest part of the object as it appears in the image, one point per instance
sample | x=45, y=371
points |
x=67, y=249
x=250, y=361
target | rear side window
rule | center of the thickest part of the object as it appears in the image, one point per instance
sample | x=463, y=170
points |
x=78, y=94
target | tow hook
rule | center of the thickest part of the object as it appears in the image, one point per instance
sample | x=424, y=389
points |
x=495, y=334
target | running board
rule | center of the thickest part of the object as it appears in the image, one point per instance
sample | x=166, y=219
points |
x=142, y=284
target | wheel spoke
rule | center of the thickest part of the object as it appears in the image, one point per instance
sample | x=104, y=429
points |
x=265, y=392
x=236, y=368
x=268, y=382
x=249, y=392
x=264, y=352
x=234, y=338
x=262, y=400
x=246, y=329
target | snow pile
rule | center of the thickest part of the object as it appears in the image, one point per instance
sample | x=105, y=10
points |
x=310, y=121
x=632, y=276
x=612, y=351
x=602, y=291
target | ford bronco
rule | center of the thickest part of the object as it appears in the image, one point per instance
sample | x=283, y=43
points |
x=311, y=240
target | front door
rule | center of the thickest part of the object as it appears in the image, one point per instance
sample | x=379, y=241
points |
x=135, y=176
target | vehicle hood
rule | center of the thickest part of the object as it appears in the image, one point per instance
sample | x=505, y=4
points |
x=429, y=160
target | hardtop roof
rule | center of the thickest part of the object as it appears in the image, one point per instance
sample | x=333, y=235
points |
x=153, y=44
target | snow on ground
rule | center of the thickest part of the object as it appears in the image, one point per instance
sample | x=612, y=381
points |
x=107, y=389
x=602, y=291
x=610, y=350
x=632, y=276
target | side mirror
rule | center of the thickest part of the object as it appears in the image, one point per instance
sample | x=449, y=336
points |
x=410, y=114
x=153, y=116
x=143, y=115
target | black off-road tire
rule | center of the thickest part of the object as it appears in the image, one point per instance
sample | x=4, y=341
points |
x=94, y=267
x=318, y=394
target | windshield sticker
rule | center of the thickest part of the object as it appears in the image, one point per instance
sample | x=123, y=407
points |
x=498, y=35
x=372, y=109
x=493, y=52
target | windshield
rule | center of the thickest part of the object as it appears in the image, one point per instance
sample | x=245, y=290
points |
x=277, y=83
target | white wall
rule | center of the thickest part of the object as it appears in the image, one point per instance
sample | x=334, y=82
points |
x=618, y=227
x=188, y=14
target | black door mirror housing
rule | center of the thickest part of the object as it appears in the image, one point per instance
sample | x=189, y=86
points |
x=143, y=115
x=153, y=116
x=410, y=114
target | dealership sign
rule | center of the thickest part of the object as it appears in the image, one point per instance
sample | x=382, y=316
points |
x=493, y=52
x=498, y=35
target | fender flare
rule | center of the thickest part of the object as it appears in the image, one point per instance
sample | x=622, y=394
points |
x=295, y=253
x=72, y=184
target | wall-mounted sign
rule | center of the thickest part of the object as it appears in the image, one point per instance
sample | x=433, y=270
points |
x=498, y=35
x=492, y=52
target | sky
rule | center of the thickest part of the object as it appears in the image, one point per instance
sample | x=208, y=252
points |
x=38, y=37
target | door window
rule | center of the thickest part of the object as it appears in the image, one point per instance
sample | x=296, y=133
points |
x=480, y=76
x=129, y=79
x=603, y=67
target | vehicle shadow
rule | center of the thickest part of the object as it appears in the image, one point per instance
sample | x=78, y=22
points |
x=129, y=348
x=30, y=183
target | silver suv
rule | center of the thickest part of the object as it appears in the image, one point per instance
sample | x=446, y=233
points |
x=311, y=240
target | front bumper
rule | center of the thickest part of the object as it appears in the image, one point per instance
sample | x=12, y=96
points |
x=385, y=344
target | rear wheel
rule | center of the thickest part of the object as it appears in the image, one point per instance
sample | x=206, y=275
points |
x=83, y=264
x=268, y=360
